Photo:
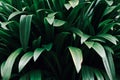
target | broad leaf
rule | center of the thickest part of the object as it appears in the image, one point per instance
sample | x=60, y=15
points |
x=24, y=60
x=25, y=27
x=9, y=64
x=77, y=57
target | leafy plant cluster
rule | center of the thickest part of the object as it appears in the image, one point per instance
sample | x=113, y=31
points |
x=60, y=39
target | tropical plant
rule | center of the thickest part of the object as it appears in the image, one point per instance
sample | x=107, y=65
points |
x=59, y=39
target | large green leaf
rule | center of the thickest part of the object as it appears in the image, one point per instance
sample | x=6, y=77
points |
x=7, y=69
x=105, y=58
x=77, y=57
x=24, y=60
x=25, y=27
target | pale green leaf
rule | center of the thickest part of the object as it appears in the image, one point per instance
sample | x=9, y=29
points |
x=4, y=24
x=77, y=57
x=67, y=6
x=58, y=23
x=24, y=60
x=14, y=14
x=109, y=2
x=99, y=49
x=9, y=64
x=89, y=44
x=37, y=53
x=74, y=3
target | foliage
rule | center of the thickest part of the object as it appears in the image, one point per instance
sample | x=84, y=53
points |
x=59, y=39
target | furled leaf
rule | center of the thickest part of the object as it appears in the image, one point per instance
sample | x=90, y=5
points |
x=25, y=27
x=24, y=60
x=37, y=53
x=77, y=57
x=9, y=64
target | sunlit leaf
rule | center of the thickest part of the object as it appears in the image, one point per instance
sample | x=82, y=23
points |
x=77, y=57
x=58, y=23
x=37, y=53
x=24, y=60
x=10, y=61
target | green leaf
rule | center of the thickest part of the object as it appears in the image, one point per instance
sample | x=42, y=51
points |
x=77, y=57
x=98, y=75
x=58, y=23
x=99, y=49
x=109, y=37
x=106, y=60
x=35, y=75
x=87, y=73
x=89, y=44
x=2, y=68
x=109, y=2
x=9, y=64
x=4, y=24
x=24, y=60
x=37, y=53
x=67, y=6
x=14, y=14
x=74, y=3
x=32, y=75
x=48, y=47
x=111, y=73
x=109, y=10
x=50, y=18
x=25, y=27
x=78, y=32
